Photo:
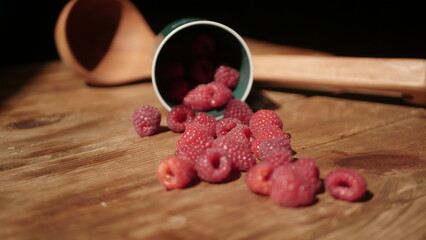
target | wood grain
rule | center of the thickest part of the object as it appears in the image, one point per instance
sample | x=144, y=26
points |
x=71, y=167
x=404, y=76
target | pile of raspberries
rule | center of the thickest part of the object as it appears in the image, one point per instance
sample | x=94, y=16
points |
x=211, y=150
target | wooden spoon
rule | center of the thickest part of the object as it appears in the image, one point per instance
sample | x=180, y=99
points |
x=382, y=76
x=125, y=45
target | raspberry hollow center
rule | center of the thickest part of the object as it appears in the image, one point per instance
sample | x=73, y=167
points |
x=181, y=117
x=343, y=184
x=169, y=175
x=215, y=160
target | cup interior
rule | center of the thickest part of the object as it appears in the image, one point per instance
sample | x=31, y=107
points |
x=189, y=54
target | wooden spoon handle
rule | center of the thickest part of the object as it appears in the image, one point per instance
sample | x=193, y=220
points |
x=402, y=75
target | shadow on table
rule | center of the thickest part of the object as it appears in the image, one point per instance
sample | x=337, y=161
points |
x=13, y=79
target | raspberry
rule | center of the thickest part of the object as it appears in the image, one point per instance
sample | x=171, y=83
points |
x=278, y=156
x=227, y=75
x=289, y=189
x=346, y=184
x=266, y=132
x=199, y=98
x=178, y=117
x=262, y=118
x=146, y=120
x=207, y=96
x=175, y=51
x=269, y=132
x=238, y=109
x=308, y=168
x=258, y=178
x=195, y=135
x=208, y=121
x=189, y=153
x=221, y=95
x=270, y=144
x=202, y=46
x=168, y=70
x=174, y=173
x=240, y=155
x=201, y=71
x=213, y=165
x=177, y=90
x=225, y=125
x=241, y=133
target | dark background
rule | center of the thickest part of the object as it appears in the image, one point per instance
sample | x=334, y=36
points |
x=346, y=29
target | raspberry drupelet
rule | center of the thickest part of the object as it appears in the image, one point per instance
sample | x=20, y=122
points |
x=238, y=109
x=195, y=135
x=262, y=118
x=239, y=153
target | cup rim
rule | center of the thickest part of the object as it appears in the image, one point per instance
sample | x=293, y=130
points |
x=195, y=22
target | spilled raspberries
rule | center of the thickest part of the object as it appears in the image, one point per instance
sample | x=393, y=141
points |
x=211, y=150
x=252, y=144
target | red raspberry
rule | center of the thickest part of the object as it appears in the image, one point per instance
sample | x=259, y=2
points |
x=195, y=135
x=168, y=70
x=199, y=98
x=263, y=118
x=269, y=144
x=205, y=97
x=202, y=46
x=238, y=109
x=221, y=95
x=175, y=51
x=346, y=184
x=177, y=90
x=201, y=71
x=189, y=153
x=174, y=173
x=269, y=132
x=290, y=189
x=241, y=133
x=227, y=75
x=240, y=155
x=178, y=117
x=208, y=121
x=308, y=168
x=213, y=165
x=225, y=125
x=278, y=157
x=146, y=120
x=266, y=132
x=258, y=178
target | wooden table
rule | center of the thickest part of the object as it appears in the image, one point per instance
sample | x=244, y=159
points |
x=72, y=167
